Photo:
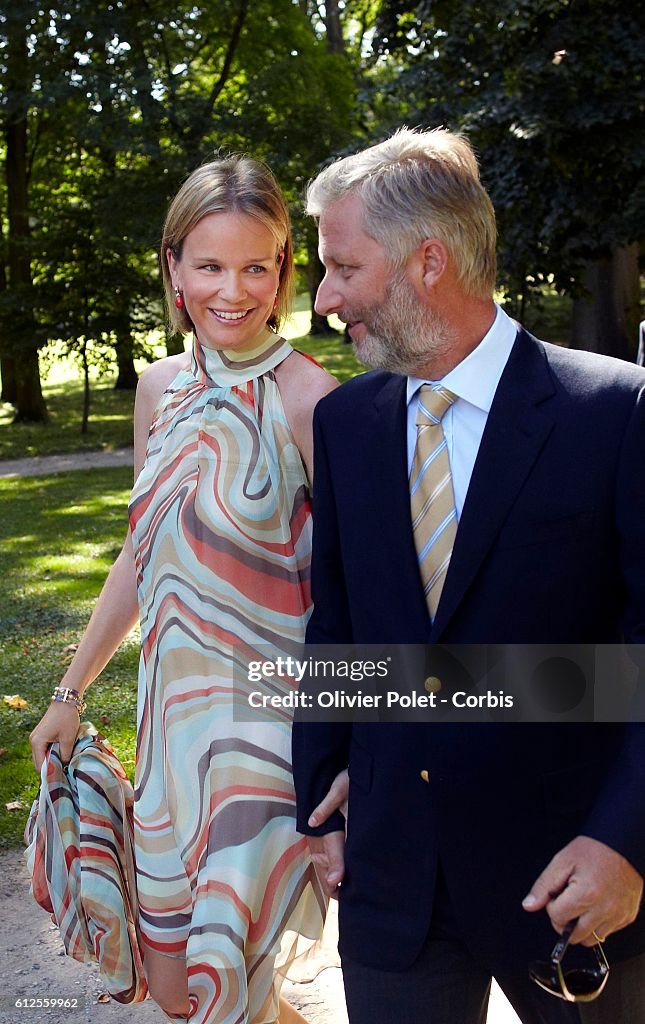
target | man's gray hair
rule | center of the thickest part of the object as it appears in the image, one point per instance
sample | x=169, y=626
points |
x=419, y=185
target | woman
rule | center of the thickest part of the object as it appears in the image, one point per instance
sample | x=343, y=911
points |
x=217, y=563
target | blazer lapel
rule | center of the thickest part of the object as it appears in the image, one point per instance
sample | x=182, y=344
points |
x=516, y=430
x=389, y=434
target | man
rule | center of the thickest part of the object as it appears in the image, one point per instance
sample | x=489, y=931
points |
x=469, y=846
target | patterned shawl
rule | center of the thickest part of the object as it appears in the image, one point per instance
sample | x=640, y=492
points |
x=81, y=861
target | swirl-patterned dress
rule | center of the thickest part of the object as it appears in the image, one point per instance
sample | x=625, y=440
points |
x=221, y=523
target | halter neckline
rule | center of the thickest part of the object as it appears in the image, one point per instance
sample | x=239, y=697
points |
x=230, y=367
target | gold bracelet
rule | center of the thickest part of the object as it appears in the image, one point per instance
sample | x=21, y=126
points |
x=66, y=695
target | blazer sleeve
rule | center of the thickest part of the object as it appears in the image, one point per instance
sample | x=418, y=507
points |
x=321, y=749
x=618, y=817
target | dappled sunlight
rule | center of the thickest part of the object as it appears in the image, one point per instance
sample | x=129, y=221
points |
x=26, y=489
x=90, y=506
x=296, y=325
x=66, y=585
x=7, y=413
x=19, y=541
x=81, y=557
x=59, y=545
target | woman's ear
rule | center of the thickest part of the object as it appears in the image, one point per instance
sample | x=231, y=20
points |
x=173, y=264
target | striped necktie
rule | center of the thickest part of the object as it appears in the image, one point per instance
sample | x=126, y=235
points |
x=432, y=501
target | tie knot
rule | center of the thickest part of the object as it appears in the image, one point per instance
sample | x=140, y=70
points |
x=434, y=402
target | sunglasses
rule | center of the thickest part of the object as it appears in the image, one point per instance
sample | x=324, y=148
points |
x=575, y=984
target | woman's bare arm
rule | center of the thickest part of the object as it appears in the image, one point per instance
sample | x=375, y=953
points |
x=302, y=384
x=116, y=610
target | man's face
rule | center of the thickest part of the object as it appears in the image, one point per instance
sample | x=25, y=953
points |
x=390, y=320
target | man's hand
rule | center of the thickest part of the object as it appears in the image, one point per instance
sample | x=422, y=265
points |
x=589, y=881
x=336, y=800
x=328, y=855
x=328, y=852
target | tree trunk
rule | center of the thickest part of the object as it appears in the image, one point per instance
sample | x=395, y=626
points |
x=7, y=365
x=333, y=27
x=126, y=379
x=28, y=396
x=85, y=420
x=8, y=374
x=606, y=320
x=30, y=403
x=315, y=274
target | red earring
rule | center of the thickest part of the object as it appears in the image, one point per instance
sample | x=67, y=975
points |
x=179, y=299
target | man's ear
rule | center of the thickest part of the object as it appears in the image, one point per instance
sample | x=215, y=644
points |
x=434, y=260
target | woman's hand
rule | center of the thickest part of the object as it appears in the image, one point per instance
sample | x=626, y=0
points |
x=60, y=723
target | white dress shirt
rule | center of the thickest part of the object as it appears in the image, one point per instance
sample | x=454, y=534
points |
x=474, y=381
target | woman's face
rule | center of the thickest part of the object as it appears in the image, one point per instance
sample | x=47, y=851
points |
x=228, y=274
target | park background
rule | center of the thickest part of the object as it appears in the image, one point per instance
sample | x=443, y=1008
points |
x=105, y=109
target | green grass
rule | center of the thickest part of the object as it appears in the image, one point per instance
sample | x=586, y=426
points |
x=332, y=352
x=110, y=421
x=59, y=536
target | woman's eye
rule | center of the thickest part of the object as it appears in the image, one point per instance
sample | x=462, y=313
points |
x=257, y=269
x=211, y=266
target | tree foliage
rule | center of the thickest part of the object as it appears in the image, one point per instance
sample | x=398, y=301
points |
x=553, y=96
x=119, y=103
x=106, y=108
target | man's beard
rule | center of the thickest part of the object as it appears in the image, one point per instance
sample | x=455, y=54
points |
x=403, y=336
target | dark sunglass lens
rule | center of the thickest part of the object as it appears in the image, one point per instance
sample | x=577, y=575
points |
x=545, y=974
x=573, y=983
x=582, y=982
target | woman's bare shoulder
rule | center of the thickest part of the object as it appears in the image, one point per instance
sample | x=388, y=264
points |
x=154, y=380
x=159, y=375
x=304, y=381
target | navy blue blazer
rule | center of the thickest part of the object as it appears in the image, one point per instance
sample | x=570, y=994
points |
x=550, y=549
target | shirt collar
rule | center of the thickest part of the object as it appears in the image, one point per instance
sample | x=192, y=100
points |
x=476, y=377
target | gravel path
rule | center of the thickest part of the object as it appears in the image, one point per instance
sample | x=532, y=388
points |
x=40, y=465
x=33, y=966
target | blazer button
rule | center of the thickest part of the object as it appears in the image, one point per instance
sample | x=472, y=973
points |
x=432, y=684
x=425, y=775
